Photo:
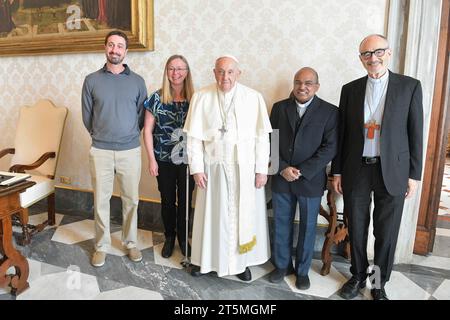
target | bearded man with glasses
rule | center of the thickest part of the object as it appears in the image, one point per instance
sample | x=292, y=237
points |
x=380, y=151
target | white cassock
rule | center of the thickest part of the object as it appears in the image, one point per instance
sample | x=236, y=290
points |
x=230, y=229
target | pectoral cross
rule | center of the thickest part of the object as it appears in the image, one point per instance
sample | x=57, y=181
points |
x=371, y=126
x=223, y=130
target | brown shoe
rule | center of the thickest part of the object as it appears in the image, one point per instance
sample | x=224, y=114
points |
x=134, y=254
x=98, y=259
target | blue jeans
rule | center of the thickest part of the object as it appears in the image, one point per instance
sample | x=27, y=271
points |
x=284, y=206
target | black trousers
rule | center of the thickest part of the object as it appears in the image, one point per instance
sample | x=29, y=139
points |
x=387, y=216
x=172, y=186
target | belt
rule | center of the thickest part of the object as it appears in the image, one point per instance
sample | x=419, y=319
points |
x=370, y=160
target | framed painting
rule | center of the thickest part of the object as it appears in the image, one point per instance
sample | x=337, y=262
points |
x=29, y=27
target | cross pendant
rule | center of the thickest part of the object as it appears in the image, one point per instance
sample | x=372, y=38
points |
x=223, y=130
x=371, y=126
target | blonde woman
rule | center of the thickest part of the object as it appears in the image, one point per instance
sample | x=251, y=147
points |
x=165, y=114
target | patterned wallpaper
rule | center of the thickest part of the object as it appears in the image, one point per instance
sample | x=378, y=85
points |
x=271, y=38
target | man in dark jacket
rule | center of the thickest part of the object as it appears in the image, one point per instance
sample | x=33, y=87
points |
x=380, y=152
x=308, y=142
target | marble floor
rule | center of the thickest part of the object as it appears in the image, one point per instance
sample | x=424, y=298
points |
x=59, y=259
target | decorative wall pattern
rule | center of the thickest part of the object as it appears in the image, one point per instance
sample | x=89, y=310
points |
x=272, y=39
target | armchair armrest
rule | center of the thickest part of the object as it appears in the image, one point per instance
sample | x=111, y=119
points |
x=20, y=168
x=4, y=152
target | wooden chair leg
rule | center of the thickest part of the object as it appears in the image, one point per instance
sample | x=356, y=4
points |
x=347, y=254
x=326, y=256
x=30, y=230
x=51, y=209
x=347, y=248
x=329, y=234
x=328, y=243
x=2, y=250
x=23, y=218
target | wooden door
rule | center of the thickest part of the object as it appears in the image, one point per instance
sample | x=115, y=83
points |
x=437, y=143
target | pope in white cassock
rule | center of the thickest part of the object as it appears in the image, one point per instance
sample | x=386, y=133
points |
x=228, y=149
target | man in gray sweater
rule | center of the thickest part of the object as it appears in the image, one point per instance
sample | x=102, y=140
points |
x=112, y=108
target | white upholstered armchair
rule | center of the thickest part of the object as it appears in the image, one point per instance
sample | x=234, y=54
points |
x=36, y=152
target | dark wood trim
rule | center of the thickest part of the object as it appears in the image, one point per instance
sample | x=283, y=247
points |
x=4, y=152
x=437, y=143
x=20, y=186
x=20, y=168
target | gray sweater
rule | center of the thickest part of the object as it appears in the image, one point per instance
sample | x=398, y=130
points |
x=113, y=108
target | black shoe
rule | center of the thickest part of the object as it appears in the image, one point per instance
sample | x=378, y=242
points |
x=379, y=294
x=277, y=275
x=167, y=249
x=302, y=283
x=290, y=270
x=246, y=275
x=183, y=249
x=195, y=271
x=351, y=288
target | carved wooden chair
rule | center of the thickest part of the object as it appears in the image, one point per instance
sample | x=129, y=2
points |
x=337, y=230
x=36, y=151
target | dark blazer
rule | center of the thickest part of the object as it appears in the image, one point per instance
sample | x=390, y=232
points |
x=401, y=133
x=309, y=149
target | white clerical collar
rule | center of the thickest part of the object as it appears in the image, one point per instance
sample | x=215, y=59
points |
x=304, y=105
x=229, y=94
x=381, y=79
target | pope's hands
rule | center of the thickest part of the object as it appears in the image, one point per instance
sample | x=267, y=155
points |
x=260, y=180
x=200, y=180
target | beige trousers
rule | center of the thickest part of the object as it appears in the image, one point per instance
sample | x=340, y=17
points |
x=126, y=166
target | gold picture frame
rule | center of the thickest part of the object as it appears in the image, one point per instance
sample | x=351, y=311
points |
x=14, y=41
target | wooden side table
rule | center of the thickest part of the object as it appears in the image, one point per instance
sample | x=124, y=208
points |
x=10, y=257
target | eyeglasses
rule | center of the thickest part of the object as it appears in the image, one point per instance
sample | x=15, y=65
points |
x=171, y=69
x=377, y=52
